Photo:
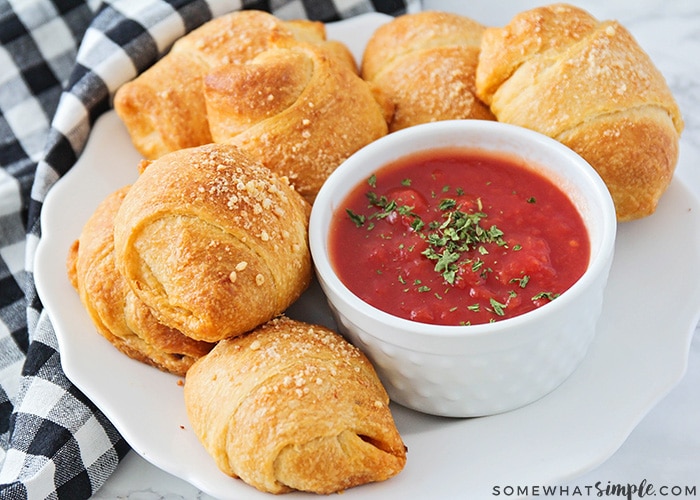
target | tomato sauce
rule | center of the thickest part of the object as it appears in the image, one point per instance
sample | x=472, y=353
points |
x=458, y=237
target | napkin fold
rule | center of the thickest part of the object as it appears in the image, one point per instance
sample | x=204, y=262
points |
x=60, y=64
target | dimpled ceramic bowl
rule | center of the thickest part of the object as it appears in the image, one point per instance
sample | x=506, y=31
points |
x=475, y=370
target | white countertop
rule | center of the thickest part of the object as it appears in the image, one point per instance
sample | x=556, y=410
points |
x=664, y=449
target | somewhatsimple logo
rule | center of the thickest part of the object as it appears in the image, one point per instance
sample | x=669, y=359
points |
x=643, y=489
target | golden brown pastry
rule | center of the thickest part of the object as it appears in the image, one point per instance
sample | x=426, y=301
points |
x=293, y=406
x=425, y=63
x=213, y=242
x=297, y=109
x=163, y=108
x=116, y=312
x=588, y=84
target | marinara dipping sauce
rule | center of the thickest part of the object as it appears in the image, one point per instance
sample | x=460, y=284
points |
x=458, y=237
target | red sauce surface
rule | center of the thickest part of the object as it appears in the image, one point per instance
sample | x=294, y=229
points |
x=457, y=237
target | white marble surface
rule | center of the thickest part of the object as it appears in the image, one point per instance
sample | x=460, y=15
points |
x=664, y=449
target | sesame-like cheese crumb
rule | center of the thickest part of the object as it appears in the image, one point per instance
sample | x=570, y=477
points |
x=255, y=345
x=259, y=279
x=241, y=265
x=233, y=276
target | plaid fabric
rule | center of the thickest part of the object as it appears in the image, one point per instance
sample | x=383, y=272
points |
x=60, y=63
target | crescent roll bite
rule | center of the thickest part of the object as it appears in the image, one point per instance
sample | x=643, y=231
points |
x=425, y=64
x=588, y=84
x=117, y=313
x=163, y=108
x=293, y=406
x=213, y=242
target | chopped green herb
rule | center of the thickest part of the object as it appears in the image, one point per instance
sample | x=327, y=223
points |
x=447, y=203
x=358, y=219
x=545, y=295
x=498, y=308
x=522, y=282
x=404, y=210
x=417, y=225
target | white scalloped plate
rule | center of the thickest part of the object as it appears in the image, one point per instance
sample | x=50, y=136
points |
x=640, y=352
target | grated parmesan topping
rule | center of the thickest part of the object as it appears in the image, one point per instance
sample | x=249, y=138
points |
x=253, y=195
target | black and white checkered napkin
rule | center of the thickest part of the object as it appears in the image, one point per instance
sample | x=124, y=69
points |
x=60, y=63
